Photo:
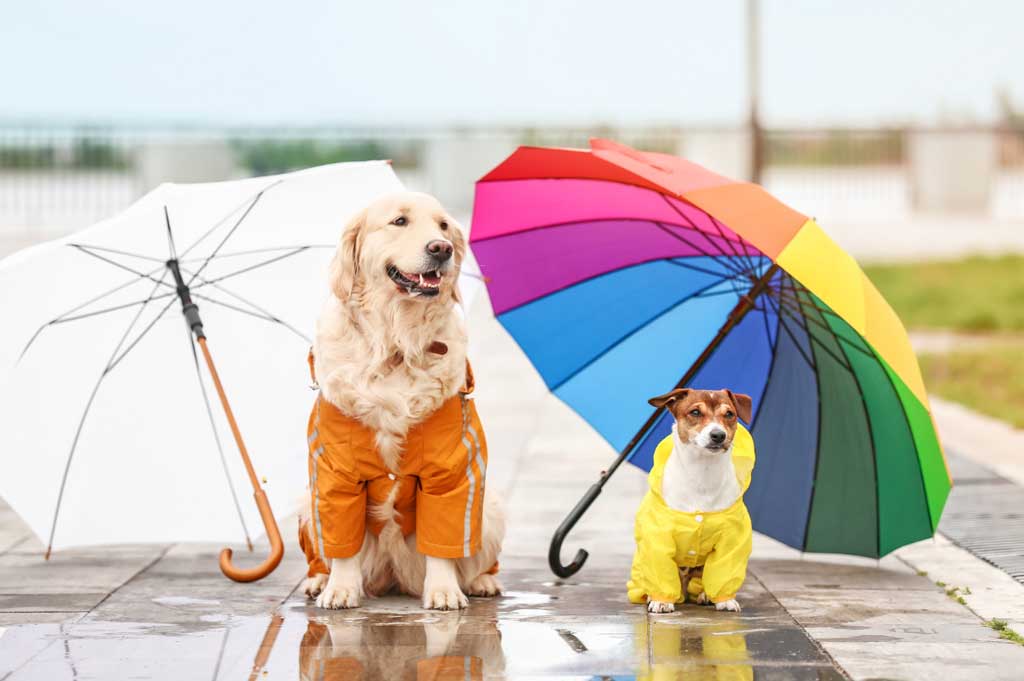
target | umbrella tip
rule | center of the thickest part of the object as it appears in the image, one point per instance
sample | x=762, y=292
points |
x=249, y=542
x=46, y=556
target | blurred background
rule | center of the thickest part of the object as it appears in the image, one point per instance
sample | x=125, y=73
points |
x=898, y=124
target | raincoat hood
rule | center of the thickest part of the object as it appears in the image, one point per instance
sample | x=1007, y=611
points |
x=742, y=460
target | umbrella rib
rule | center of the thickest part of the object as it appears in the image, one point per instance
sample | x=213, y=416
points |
x=216, y=436
x=840, y=340
x=266, y=316
x=141, y=334
x=702, y=232
x=742, y=242
x=774, y=344
x=115, y=308
x=203, y=282
x=171, y=249
x=59, y=318
x=691, y=266
x=913, y=441
x=92, y=247
x=785, y=327
x=270, y=316
x=272, y=249
x=231, y=231
x=638, y=328
x=140, y=275
x=85, y=414
x=788, y=310
x=202, y=237
x=727, y=263
x=195, y=275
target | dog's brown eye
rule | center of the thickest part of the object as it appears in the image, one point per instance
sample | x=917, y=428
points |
x=695, y=412
x=400, y=221
x=729, y=414
x=444, y=226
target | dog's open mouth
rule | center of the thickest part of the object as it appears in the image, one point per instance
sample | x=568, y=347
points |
x=417, y=283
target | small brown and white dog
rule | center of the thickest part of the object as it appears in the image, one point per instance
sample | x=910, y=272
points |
x=699, y=479
x=393, y=283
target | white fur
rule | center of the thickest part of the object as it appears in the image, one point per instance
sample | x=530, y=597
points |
x=372, y=362
x=697, y=479
x=730, y=605
x=344, y=587
x=660, y=607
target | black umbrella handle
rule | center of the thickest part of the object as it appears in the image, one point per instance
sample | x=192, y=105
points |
x=188, y=308
x=555, y=550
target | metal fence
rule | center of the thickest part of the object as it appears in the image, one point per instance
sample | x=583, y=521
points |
x=57, y=178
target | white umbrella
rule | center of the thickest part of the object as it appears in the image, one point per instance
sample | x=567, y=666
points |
x=109, y=430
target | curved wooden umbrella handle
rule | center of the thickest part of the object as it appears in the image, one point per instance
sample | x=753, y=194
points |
x=276, y=547
x=191, y=312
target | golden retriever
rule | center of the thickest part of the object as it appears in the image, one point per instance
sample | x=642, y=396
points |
x=393, y=300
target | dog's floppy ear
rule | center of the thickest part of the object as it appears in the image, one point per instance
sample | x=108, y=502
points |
x=669, y=398
x=344, y=269
x=458, y=239
x=742, y=403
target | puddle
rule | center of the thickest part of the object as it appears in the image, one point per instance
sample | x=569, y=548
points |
x=176, y=601
x=515, y=599
x=526, y=634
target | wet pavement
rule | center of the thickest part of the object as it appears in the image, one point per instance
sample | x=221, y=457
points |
x=539, y=629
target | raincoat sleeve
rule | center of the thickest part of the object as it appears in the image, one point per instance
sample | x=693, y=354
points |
x=655, y=575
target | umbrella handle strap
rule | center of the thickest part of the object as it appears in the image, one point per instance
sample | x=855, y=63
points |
x=276, y=547
x=555, y=550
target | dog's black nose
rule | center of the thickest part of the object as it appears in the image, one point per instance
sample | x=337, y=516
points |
x=717, y=436
x=439, y=249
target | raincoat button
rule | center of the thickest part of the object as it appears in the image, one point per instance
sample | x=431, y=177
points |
x=391, y=476
x=698, y=518
x=692, y=552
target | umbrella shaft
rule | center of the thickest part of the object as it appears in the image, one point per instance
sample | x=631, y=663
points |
x=745, y=305
x=229, y=414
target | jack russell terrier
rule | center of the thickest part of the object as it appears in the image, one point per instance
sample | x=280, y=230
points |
x=693, y=532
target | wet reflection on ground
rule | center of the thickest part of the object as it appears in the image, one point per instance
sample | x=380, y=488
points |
x=540, y=629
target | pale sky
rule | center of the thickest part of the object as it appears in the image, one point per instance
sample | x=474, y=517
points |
x=476, y=62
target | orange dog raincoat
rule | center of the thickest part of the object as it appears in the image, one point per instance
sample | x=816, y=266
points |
x=441, y=482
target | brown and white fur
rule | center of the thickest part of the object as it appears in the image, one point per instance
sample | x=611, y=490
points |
x=699, y=474
x=393, y=284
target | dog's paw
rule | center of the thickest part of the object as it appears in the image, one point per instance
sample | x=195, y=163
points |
x=445, y=599
x=660, y=606
x=314, y=585
x=335, y=597
x=485, y=585
x=702, y=599
x=729, y=606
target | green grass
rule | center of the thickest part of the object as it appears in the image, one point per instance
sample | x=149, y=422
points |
x=989, y=380
x=1005, y=632
x=976, y=294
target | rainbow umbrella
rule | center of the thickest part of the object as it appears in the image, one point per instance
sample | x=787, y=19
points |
x=622, y=274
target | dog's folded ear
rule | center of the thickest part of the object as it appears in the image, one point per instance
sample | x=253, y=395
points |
x=742, y=403
x=668, y=398
x=344, y=269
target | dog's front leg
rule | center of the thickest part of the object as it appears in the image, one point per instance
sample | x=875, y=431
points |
x=441, y=586
x=344, y=586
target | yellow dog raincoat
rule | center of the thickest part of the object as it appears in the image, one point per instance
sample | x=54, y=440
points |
x=667, y=540
x=441, y=482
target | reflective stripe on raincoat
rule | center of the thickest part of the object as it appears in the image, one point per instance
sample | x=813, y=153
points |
x=667, y=539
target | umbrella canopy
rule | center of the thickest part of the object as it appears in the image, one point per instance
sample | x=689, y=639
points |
x=622, y=274
x=106, y=425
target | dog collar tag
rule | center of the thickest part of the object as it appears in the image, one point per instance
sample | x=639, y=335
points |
x=438, y=348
